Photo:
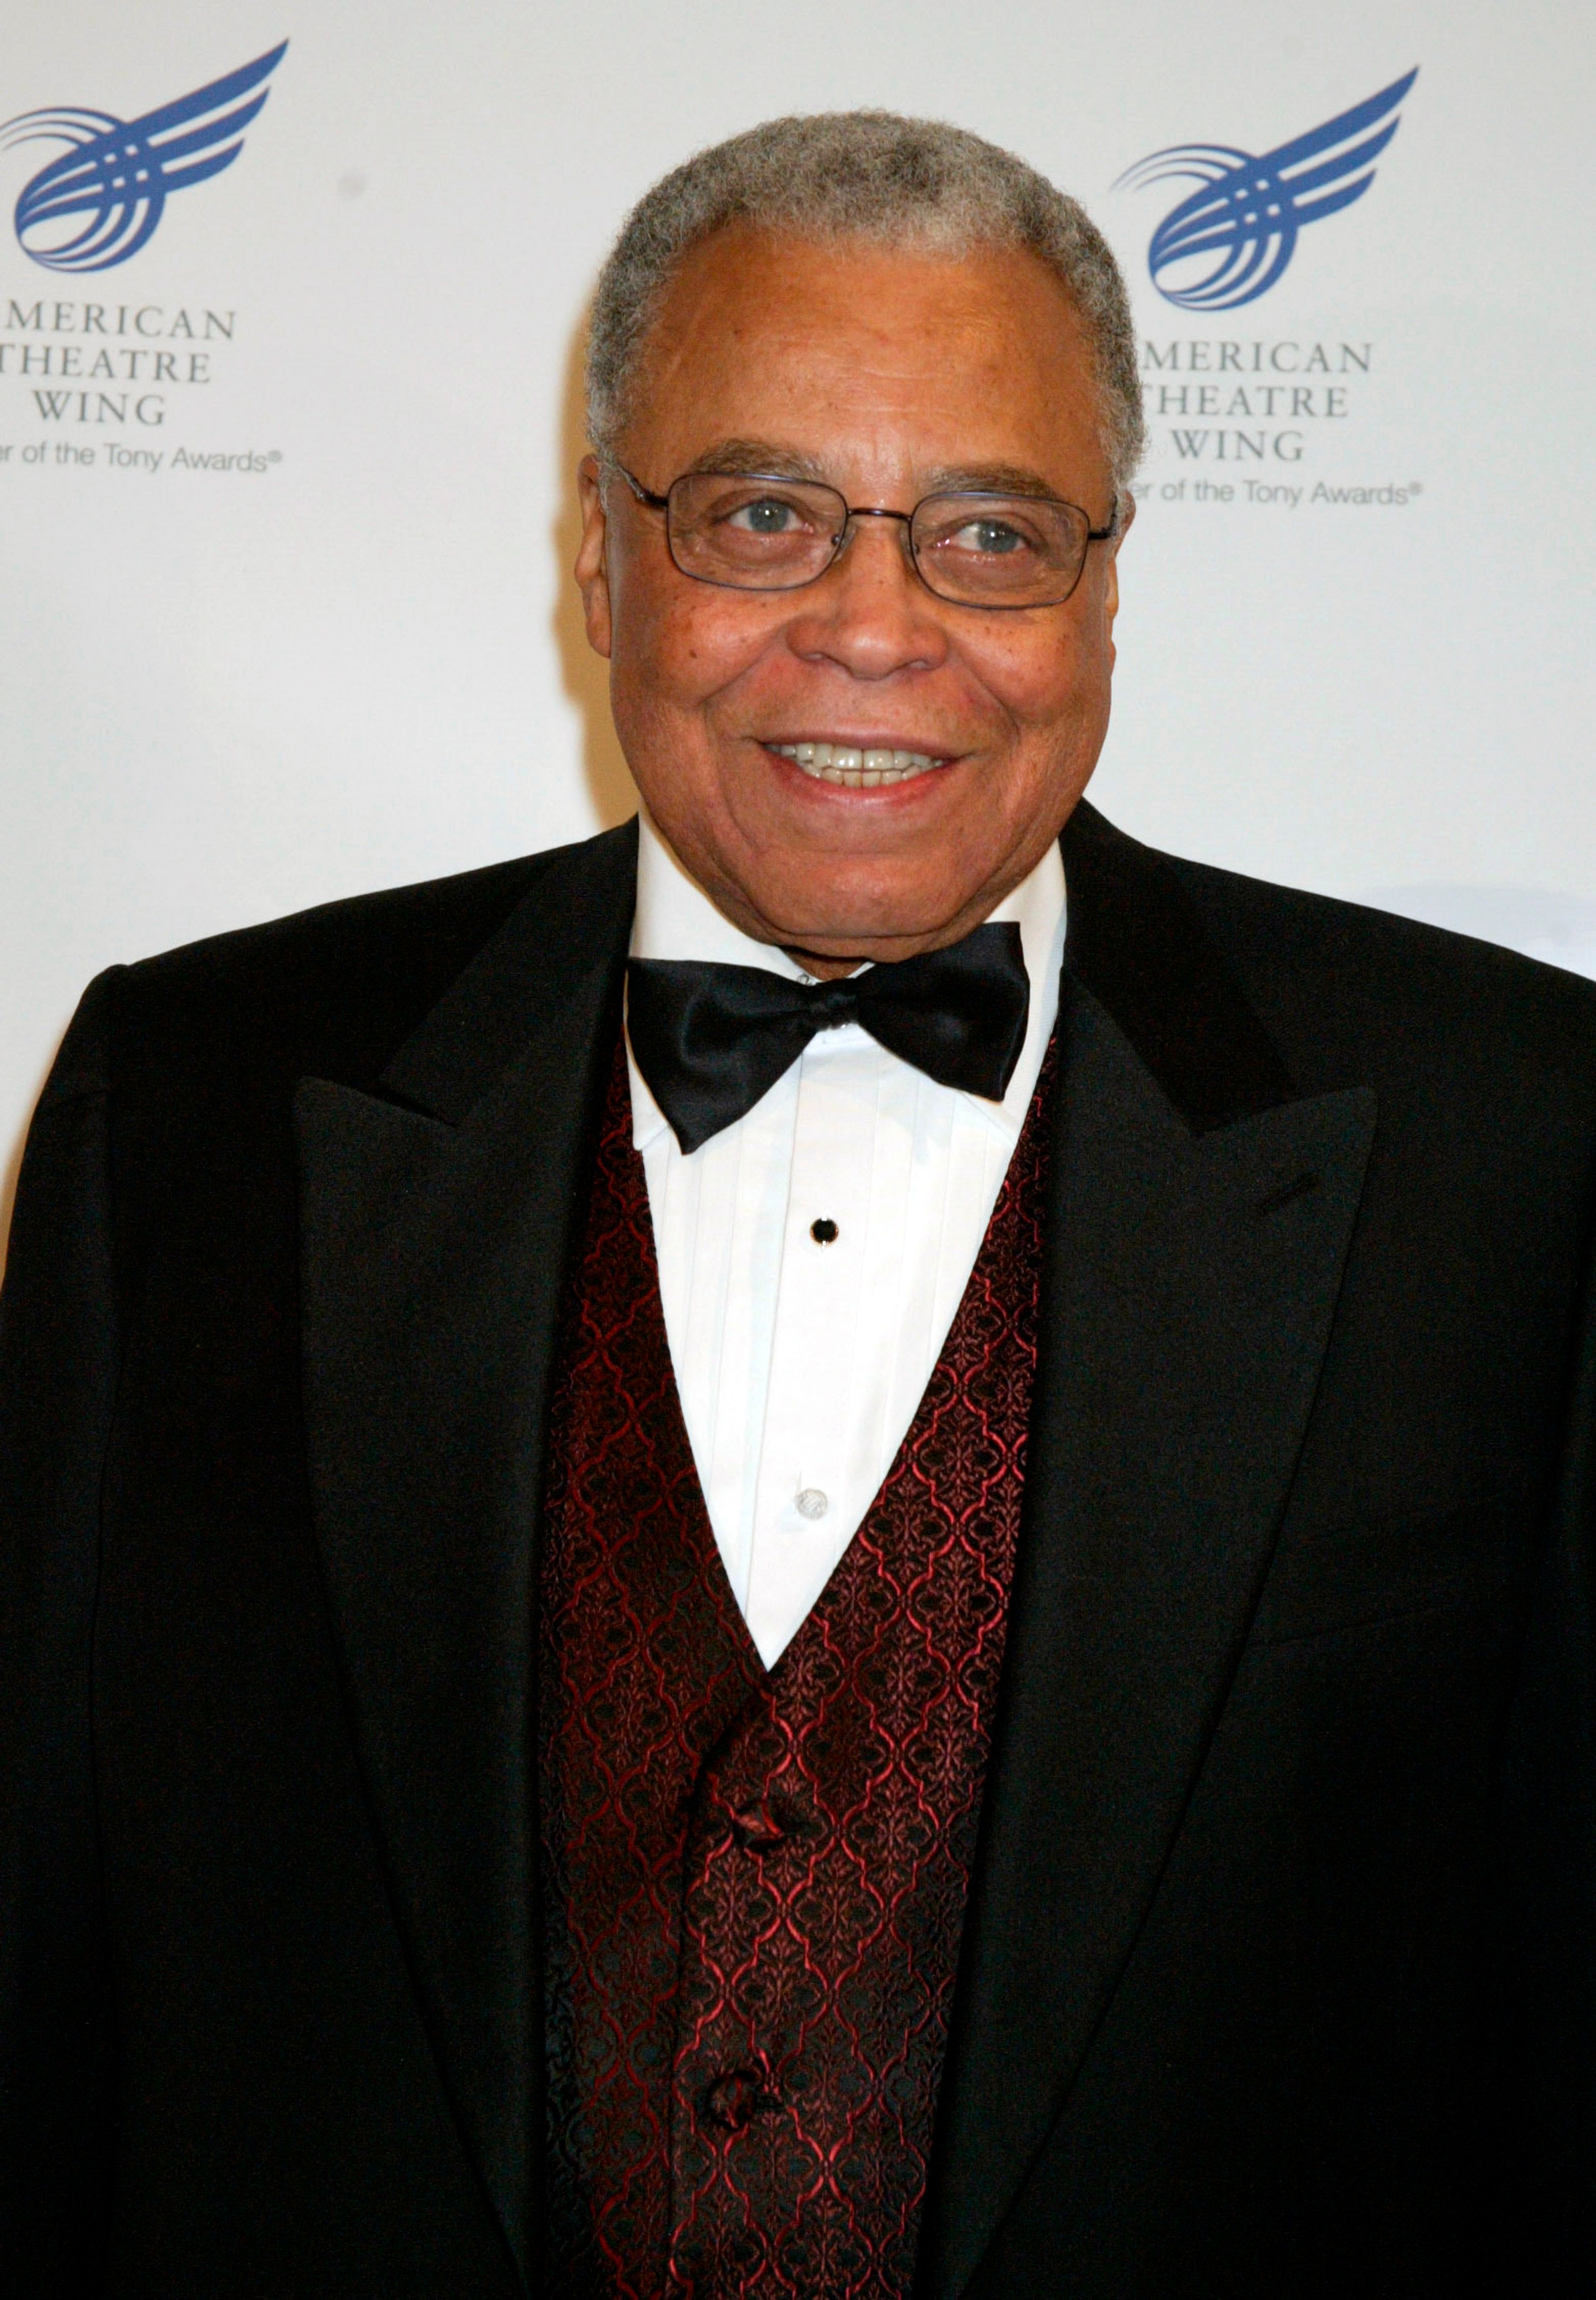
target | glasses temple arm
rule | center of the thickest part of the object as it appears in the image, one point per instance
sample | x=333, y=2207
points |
x=644, y=494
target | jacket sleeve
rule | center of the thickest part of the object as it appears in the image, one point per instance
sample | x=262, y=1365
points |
x=1545, y=2124
x=58, y=1373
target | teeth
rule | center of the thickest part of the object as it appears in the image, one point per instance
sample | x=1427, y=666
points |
x=859, y=770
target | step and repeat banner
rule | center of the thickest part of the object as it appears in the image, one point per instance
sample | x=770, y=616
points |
x=291, y=298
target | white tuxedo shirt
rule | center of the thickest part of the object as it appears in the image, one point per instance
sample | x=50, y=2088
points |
x=801, y=1356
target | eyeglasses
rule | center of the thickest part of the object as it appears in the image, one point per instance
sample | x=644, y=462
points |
x=756, y=532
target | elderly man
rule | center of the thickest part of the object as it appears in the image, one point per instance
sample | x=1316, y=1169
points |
x=833, y=1547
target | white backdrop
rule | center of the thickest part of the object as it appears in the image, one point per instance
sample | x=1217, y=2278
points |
x=345, y=656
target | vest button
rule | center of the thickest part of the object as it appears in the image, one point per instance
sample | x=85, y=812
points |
x=731, y=2101
x=758, y=1827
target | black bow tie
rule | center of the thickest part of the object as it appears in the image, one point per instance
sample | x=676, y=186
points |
x=710, y=1040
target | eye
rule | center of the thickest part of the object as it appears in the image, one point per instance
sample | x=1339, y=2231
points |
x=989, y=538
x=765, y=515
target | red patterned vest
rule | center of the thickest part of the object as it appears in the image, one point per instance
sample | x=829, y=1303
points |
x=754, y=1882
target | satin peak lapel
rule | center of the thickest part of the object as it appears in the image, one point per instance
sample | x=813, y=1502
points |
x=435, y=1232
x=1194, y=1263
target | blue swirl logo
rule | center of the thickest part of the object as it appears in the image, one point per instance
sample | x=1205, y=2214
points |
x=1228, y=242
x=101, y=200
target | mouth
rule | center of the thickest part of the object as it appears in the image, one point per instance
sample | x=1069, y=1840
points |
x=857, y=766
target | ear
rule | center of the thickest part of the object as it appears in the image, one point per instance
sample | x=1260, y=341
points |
x=592, y=560
x=1111, y=577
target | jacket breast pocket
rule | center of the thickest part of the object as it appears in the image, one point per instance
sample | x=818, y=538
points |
x=1345, y=1577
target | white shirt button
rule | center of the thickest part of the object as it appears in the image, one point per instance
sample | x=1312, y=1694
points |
x=812, y=1503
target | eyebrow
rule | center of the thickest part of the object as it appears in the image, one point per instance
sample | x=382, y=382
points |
x=991, y=479
x=765, y=459
x=759, y=459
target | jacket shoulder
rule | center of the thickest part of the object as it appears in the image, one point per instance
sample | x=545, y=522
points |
x=1347, y=989
x=333, y=990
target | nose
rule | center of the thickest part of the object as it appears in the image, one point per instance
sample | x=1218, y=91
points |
x=870, y=613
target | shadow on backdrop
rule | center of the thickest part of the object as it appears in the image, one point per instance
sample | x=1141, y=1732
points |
x=13, y=1162
x=584, y=675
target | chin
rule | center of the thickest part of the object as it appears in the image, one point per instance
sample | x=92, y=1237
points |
x=851, y=917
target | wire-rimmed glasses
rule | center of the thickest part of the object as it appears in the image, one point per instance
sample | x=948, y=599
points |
x=757, y=531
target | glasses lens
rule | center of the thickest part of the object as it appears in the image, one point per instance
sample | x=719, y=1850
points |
x=1000, y=551
x=754, y=534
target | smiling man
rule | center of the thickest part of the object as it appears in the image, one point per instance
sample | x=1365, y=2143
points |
x=952, y=398
x=841, y=1546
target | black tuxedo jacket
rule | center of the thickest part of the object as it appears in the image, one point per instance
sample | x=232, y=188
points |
x=1279, y=1975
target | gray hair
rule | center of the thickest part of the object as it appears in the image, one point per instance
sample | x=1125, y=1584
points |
x=874, y=175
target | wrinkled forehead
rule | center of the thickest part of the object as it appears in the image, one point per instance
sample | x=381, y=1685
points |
x=858, y=354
